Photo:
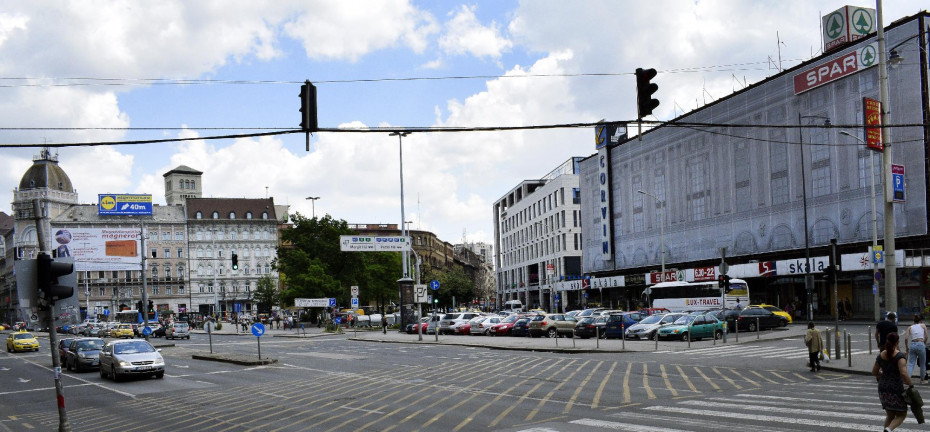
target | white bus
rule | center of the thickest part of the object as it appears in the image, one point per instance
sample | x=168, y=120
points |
x=693, y=296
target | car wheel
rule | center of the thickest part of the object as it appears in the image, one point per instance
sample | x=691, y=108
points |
x=783, y=322
x=553, y=333
x=752, y=327
x=67, y=365
x=102, y=373
x=603, y=335
x=159, y=375
x=718, y=334
x=684, y=336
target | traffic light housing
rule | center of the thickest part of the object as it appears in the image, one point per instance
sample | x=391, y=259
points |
x=724, y=281
x=235, y=262
x=47, y=272
x=645, y=103
x=308, y=121
x=829, y=273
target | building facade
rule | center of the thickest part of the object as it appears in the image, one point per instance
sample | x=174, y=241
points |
x=763, y=177
x=537, y=238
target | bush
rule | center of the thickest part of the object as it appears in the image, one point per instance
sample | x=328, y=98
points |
x=219, y=326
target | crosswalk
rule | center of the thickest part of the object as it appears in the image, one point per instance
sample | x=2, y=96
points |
x=847, y=405
x=751, y=351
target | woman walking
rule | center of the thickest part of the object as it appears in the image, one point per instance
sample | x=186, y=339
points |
x=914, y=339
x=891, y=371
x=814, y=343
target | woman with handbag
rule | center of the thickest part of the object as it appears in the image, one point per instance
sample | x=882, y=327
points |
x=814, y=342
x=890, y=369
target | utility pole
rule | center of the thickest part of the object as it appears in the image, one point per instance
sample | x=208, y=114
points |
x=891, y=279
x=145, y=296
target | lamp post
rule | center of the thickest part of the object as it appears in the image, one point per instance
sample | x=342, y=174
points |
x=877, y=303
x=313, y=203
x=808, y=278
x=400, y=145
x=891, y=281
x=662, y=229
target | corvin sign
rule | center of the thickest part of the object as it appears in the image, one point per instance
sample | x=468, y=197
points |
x=844, y=65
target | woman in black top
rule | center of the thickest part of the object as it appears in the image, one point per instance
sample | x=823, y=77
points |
x=891, y=371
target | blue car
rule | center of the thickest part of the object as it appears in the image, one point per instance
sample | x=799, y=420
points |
x=617, y=323
x=521, y=327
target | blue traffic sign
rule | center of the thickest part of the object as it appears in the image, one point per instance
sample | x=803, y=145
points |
x=106, y=312
x=258, y=329
x=147, y=331
x=897, y=183
x=434, y=284
x=337, y=320
x=332, y=302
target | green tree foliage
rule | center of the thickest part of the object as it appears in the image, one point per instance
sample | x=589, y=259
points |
x=266, y=294
x=453, y=283
x=312, y=265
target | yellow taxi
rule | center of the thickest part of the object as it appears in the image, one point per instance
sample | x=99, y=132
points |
x=775, y=310
x=122, y=331
x=21, y=341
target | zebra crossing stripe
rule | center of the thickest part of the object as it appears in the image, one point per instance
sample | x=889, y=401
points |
x=774, y=409
x=831, y=423
x=621, y=426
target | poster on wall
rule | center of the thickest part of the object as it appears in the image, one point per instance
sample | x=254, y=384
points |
x=99, y=248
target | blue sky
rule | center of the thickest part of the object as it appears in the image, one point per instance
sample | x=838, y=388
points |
x=450, y=180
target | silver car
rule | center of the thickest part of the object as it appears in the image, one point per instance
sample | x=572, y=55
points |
x=450, y=320
x=647, y=328
x=178, y=330
x=122, y=358
x=482, y=325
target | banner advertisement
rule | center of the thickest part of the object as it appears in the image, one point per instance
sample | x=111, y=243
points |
x=124, y=204
x=100, y=248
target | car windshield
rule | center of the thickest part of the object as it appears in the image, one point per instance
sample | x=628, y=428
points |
x=22, y=336
x=133, y=348
x=685, y=320
x=651, y=319
x=670, y=318
x=510, y=319
x=90, y=345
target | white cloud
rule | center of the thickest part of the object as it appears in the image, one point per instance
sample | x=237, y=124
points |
x=465, y=35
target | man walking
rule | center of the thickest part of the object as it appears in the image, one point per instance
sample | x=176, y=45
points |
x=814, y=343
x=888, y=325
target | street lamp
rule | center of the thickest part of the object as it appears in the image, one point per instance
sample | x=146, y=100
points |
x=400, y=141
x=874, y=229
x=808, y=278
x=313, y=202
x=662, y=230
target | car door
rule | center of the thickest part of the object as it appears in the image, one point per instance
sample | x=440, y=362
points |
x=699, y=327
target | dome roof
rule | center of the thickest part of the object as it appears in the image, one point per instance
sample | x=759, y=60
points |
x=45, y=173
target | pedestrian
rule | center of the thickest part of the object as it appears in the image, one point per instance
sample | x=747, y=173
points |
x=384, y=324
x=891, y=372
x=917, y=350
x=739, y=306
x=848, y=307
x=814, y=343
x=888, y=325
x=841, y=310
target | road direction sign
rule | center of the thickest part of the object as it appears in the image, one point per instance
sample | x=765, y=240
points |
x=420, y=294
x=350, y=243
x=337, y=320
x=258, y=329
x=147, y=331
x=434, y=284
x=314, y=302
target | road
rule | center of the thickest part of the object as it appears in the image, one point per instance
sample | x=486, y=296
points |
x=331, y=383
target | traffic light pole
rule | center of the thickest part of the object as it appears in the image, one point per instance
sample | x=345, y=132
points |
x=145, y=297
x=63, y=424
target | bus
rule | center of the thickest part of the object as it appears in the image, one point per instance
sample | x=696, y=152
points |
x=694, y=296
x=132, y=316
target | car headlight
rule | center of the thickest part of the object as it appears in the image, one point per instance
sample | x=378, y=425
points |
x=124, y=363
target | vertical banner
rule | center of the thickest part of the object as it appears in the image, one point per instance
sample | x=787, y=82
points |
x=602, y=134
x=872, y=119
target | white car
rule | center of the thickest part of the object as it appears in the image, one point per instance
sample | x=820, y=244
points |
x=482, y=325
x=450, y=320
x=647, y=328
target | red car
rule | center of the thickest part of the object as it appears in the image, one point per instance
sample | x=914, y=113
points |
x=463, y=328
x=503, y=328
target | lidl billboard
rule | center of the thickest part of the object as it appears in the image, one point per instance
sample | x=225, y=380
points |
x=124, y=204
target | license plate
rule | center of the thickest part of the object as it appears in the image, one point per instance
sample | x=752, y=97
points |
x=142, y=368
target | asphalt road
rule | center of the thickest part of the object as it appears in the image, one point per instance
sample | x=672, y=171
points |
x=330, y=383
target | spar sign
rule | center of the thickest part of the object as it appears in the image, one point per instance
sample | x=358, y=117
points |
x=842, y=66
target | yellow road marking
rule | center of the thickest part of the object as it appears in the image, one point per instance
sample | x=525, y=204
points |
x=600, y=389
x=668, y=383
x=684, y=376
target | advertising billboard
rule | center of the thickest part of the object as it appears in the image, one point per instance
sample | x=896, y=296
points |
x=100, y=248
x=124, y=204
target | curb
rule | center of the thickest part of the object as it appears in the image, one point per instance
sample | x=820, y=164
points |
x=234, y=359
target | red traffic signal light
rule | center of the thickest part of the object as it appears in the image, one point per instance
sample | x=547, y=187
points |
x=308, y=121
x=47, y=273
x=644, y=91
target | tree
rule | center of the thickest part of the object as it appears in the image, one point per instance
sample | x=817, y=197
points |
x=266, y=295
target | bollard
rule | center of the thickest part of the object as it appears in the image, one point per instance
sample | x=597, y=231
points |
x=758, y=329
x=828, y=339
x=839, y=350
x=597, y=337
x=622, y=336
x=556, y=338
x=656, y=336
x=849, y=350
x=736, y=326
x=868, y=334
x=689, y=335
x=573, y=340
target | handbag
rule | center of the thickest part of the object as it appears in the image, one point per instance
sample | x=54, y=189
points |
x=912, y=397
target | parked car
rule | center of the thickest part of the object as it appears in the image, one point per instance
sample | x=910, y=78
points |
x=77, y=328
x=653, y=311
x=617, y=323
x=433, y=323
x=463, y=328
x=777, y=311
x=83, y=353
x=450, y=320
x=646, y=329
x=552, y=325
x=756, y=318
x=588, y=312
x=422, y=323
x=521, y=327
x=21, y=341
x=63, y=347
x=122, y=358
x=158, y=330
x=178, y=330
x=591, y=327
x=503, y=328
x=696, y=326
x=122, y=331
x=483, y=326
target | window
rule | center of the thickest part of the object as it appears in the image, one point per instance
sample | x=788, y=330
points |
x=741, y=169
x=202, y=288
x=155, y=290
x=167, y=271
x=181, y=271
x=248, y=215
x=180, y=252
x=232, y=215
x=865, y=157
x=198, y=215
x=697, y=203
x=168, y=290
x=216, y=215
x=154, y=271
x=154, y=252
x=180, y=292
x=181, y=184
x=167, y=252
x=820, y=164
x=165, y=235
x=179, y=236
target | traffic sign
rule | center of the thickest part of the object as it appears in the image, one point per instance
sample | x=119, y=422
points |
x=258, y=329
x=434, y=284
x=332, y=302
x=354, y=243
x=897, y=183
x=314, y=302
x=147, y=331
x=419, y=294
x=354, y=290
x=106, y=312
x=337, y=320
x=208, y=326
x=354, y=302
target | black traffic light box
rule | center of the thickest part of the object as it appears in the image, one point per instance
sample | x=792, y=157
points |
x=48, y=288
x=308, y=120
x=235, y=262
x=724, y=281
x=645, y=103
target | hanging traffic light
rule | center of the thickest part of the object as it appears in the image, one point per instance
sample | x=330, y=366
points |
x=47, y=286
x=235, y=262
x=644, y=91
x=308, y=121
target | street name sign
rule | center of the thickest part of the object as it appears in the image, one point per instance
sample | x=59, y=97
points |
x=351, y=243
x=314, y=302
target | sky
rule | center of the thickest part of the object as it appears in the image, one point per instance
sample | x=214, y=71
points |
x=103, y=71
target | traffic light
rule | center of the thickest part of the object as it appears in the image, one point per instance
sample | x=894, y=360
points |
x=644, y=90
x=308, y=122
x=235, y=262
x=829, y=273
x=139, y=306
x=47, y=273
x=724, y=281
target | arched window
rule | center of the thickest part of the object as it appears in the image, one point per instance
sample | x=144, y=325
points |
x=198, y=215
x=216, y=215
x=154, y=271
x=180, y=270
x=232, y=215
x=193, y=184
x=167, y=271
x=181, y=184
x=267, y=269
x=248, y=215
x=265, y=215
